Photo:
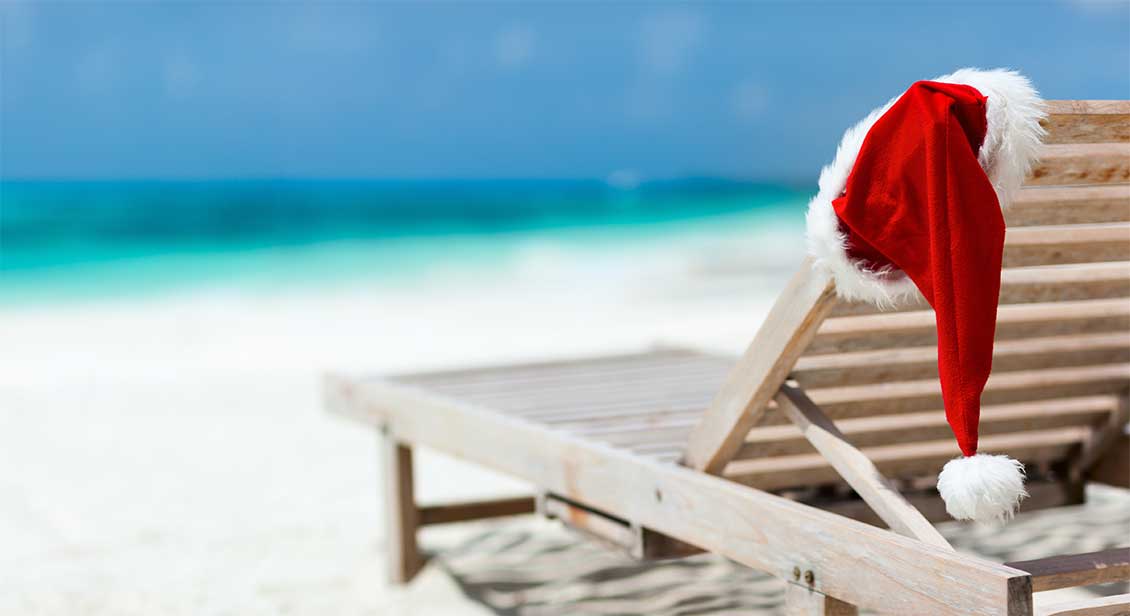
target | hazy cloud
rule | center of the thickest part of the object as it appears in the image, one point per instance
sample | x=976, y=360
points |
x=668, y=39
x=514, y=46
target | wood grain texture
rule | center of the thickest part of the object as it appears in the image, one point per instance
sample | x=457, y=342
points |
x=852, y=561
x=903, y=459
x=754, y=381
x=1064, y=571
x=1087, y=122
x=1036, y=284
x=1069, y=205
x=1113, y=467
x=916, y=363
x=403, y=558
x=1114, y=605
x=448, y=513
x=875, y=431
x=1057, y=245
x=1089, y=163
x=917, y=328
x=856, y=469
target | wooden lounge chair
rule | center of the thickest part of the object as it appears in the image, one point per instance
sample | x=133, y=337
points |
x=813, y=458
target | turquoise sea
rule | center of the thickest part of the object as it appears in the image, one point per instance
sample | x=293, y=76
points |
x=63, y=240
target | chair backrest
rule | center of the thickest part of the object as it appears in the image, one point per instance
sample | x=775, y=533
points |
x=1062, y=358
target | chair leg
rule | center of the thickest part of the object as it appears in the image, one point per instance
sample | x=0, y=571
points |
x=401, y=515
x=802, y=601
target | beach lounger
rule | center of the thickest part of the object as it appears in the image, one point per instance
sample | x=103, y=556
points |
x=812, y=457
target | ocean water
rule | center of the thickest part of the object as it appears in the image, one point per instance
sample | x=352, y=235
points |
x=66, y=240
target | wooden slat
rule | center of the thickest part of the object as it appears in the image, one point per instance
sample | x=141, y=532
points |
x=475, y=510
x=1069, y=205
x=917, y=328
x=1001, y=388
x=1041, y=495
x=1114, y=605
x=610, y=530
x=864, y=432
x=1087, y=122
x=531, y=372
x=1090, y=163
x=1057, y=245
x=753, y=382
x=1069, y=570
x=856, y=469
x=915, y=363
x=903, y=459
x=869, y=567
x=1025, y=285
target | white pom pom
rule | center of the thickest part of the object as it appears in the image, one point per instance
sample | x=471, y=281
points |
x=983, y=487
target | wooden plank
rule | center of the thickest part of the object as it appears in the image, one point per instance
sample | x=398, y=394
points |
x=784, y=439
x=475, y=510
x=1041, y=495
x=1114, y=605
x=1087, y=122
x=1056, y=245
x=917, y=328
x=869, y=567
x=1065, y=571
x=402, y=553
x=1090, y=163
x=1087, y=107
x=1069, y=205
x=916, y=363
x=858, y=471
x=903, y=459
x=787, y=330
x=804, y=601
x=1034, y=284
x=1104, y=437
x=1001, y=388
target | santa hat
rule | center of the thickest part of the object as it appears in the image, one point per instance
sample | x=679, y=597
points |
x=912, y=204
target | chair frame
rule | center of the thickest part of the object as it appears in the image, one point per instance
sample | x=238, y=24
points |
x=832, y=564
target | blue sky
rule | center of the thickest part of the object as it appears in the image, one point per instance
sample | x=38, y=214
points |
x=500, y=90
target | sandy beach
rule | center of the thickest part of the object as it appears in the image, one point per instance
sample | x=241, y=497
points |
x=169, y=454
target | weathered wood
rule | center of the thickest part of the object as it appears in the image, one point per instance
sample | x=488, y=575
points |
x=1114, y=605
x=1087, y=122
x=475, y=510
x=856, y=469
x=1113, y=467
x=784, y=439
x=903, y=459
x=917, y=328
x=1090, y=163
x=1035, y=284
x=1064, y=571
x=1104, y=437
x=804, y=601
x=915, y=363
x=787, y=330
x=855, y=562
x=1087, y=107
x=1070, y=205
x=403, y=557
x=1057, y=245
x=1041, y=495
x=610, y=530
x=1001, y=388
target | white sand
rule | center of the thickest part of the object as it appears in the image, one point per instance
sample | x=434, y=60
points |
x=170, y=455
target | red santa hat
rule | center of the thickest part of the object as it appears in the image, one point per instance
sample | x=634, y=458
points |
x=912, y=204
